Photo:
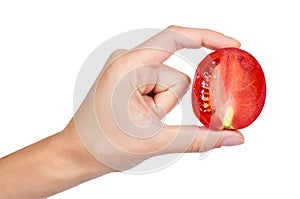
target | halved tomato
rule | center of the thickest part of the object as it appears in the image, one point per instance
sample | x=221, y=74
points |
x=229, y=89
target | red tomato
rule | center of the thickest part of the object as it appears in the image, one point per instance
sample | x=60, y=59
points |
x=229, y=89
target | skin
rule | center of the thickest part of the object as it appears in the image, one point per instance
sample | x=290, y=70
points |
x=65, y=160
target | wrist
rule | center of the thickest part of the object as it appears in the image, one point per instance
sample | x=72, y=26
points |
x=70, y=164
x=49, y=166
x=85, y=164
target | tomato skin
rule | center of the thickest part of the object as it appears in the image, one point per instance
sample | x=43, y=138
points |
x=229, y=89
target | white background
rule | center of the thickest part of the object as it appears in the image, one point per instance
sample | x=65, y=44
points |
x=43, y=45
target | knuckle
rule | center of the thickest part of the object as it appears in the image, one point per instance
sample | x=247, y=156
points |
x=118, y=52
x=174, y=27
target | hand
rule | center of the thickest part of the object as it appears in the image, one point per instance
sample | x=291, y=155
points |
x=119, y=122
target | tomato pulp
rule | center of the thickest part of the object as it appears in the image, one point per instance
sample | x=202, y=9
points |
x=229, y=89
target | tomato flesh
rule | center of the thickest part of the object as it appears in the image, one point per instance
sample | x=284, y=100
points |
x=229, y=89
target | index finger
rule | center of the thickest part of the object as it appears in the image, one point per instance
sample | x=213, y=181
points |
x=161, y=46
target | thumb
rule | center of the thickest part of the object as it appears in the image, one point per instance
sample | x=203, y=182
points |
x=188, y=138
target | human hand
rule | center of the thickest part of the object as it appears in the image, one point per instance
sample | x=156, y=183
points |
x=118, y=125
x=119, y=122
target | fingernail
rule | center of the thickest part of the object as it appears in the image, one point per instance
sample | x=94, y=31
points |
x=232, y=141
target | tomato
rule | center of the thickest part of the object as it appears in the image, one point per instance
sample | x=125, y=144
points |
x=229, y=89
